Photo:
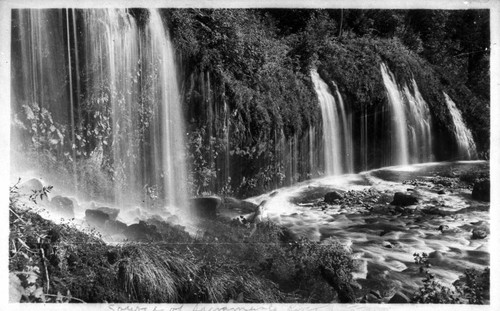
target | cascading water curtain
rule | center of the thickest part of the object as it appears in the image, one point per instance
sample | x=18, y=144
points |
x=411, y=139
x=337, y=132
x=113, y=85
x=465, y=142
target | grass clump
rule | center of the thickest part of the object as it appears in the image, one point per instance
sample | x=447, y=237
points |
x=226, y=262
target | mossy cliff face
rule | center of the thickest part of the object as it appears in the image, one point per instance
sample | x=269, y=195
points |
x=251, y=106
x=253, y=117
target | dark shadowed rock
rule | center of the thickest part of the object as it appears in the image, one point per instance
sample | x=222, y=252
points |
x=401, y=199
x=478, y=234
x=62, y=206
x=142, y=231
x=112, y=212
x=441, y=191
x=205, y=207
x=344, y=290
x=399, y=298
x=96, y=217
x=481, y=190
x=114, y=227
x=331, y=196
x=436, y=258
x=444, y=228
x=239, y=205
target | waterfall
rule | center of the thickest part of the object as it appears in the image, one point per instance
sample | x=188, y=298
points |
x=172, y=132
x=466, y=145
x=112, y=58
x=411, y=138
x=38, y=74
x=95, y=71
x=419, y=122
x=346, y=121
x=399, y=135
x=337, y=137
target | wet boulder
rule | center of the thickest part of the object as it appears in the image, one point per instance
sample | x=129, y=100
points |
x=481, y=190
x=331, y=196
x=478, y=234
x=444, y=228
x=96, y=217
x=239, y=205
x=142, y=231
x=205, y=207
x=401, y=199
x=111, y=212
x=62, y=206
x=436, y=258
x=114, y=226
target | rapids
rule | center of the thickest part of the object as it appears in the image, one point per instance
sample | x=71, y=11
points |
x=383, y=238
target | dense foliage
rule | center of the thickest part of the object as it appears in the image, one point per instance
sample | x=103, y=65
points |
x=248, y=98
x=472, y=287
x=246, y=75
x=51, y=262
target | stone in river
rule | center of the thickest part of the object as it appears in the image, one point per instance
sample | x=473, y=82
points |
x=239, y=205
x=444, y=228
x=402, y=199
x=330, y=197
x=479, y=234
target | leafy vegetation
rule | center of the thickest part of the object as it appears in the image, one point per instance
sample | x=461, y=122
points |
x=225, y=261
x=249, y=100
x=247, y=78
x=472, y=287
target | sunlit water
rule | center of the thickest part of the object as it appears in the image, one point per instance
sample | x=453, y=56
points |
x=384, y=243
x=337, y=137
x=71, y=60
x=466, y=145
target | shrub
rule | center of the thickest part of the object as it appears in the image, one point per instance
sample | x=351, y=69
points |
x=472, y=287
